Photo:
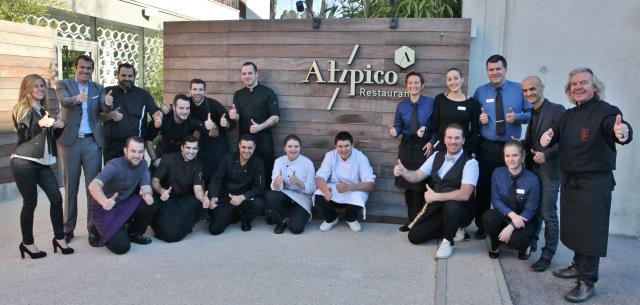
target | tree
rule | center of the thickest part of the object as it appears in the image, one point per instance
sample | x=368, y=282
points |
x=19, y=10
x=403, y=8
x=289, y=14
x=274, y=5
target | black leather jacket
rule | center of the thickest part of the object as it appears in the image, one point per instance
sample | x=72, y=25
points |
x=31, y=137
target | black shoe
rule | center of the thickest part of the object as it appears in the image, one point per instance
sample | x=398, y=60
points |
x=580, y=293
x=279, y=229
x=480, y=234
x=245, y=226
x=94, y=238
x=524, y=254
x=33, y=255
x=494, y=253
x=139, y=239
x=541, y=265
x=534, y=246
x=68, y=237
x=404, y=228
x=570, y=272
x=56, y=246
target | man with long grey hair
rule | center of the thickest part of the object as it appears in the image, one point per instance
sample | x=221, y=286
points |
x=586, y=135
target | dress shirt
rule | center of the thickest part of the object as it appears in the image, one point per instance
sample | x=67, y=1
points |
x=403, y=115
x=469, y=173
x=527, y=192
x=85, y=127
x=511, y=97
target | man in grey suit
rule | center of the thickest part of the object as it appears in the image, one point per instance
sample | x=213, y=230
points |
x=544, y=162
x=80, y=145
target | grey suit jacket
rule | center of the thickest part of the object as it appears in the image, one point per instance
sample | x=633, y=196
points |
x=550, y=114
x=71, y=112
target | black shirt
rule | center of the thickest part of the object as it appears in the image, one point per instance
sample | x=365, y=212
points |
x=235, y=179
x=172, y=133
x=216, y=109
x=135, y=104
x=178, y=174
x=466, y=113
x=586, y=138
x=259, y=105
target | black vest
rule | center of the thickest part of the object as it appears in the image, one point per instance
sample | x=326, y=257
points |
x=452, y=180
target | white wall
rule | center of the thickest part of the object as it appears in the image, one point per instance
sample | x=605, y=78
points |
x=549, y=38
x=130, y=11
x=258, y=9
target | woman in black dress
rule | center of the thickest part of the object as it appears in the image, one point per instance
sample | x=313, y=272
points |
x=411, y=120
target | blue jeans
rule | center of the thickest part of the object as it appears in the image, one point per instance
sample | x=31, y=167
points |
x=548, y=212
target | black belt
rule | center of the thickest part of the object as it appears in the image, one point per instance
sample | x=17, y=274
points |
x=85, y=135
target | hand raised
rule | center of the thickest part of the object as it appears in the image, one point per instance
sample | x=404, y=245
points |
x=255, y=127
x=546, y=137
x=223, y=121
x=511, y=116
x=233, y=112
x=484, y=117
x=110, y=202
x=399, y=169
x=621, y=130
x=392, y=131
x=209, y=124
x=108, y=99
x=166, y=193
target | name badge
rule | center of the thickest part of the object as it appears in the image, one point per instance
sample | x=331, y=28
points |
x=490, y=100
x=520, y=191
x=462, y=108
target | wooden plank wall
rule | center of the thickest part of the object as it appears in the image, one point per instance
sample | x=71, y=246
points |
x=284, y=51
x=24, y=49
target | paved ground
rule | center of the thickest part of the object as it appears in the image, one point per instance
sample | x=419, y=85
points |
x=375, y=266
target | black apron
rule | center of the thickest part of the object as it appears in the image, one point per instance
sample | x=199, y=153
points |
x=412, y=157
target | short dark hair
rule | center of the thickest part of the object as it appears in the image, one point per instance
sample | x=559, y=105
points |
x=453, y=69
x=248, y=63
x=247, y=137
x=180, y=96
x=133, y=139
x=515, y=143
x=455, y=126
x=292, y=137
x=197, y=81
x=189, y=139
x=411, y=73
x=126, y=66
x=85, y=58
x=496, y=58
x=343, y=136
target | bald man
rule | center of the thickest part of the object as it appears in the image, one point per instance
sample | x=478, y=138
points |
x=543, y=161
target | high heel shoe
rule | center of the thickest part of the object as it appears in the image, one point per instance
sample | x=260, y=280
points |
x=65, y=251
x=33, y=255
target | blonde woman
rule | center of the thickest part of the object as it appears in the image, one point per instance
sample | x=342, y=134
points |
x=31, y=163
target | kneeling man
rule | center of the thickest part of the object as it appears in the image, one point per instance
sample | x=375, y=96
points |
x=344, y=179
x=177, y=183
x=454, y=175
x=123, y=196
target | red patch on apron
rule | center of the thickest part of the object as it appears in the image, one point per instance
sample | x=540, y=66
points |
x=584, y=134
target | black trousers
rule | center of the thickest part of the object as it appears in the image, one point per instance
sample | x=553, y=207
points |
x=137, y=225
x=414, y=201
x=264, y=150
x=329, y=213
x=490, y=157
x=442, y=218
x=28, y=175
x=587, y=266
x=520, y=239
x=280, y=206
x=175, y=217
x=221, y=216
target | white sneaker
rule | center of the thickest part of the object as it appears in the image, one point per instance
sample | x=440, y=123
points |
x=460, y=235
x=445, y=250
x=354, y=226
x=326, y=226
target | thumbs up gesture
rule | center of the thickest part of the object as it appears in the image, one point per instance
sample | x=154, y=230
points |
x=484, y=117
x=108, y=99
x=342, y=187
x=46, y=121
x=233, y=113
x=546, y=137
x=165, y=194
x=277, y=182
x=392, y=131
x=621, y=130
x=82, y=97
x=255, y=127
x=538, y=156
x=399, y=169
x=209, y=124
x=430, y=195
x=511, y=116
x=116, y=115
x=206, y=202
x=110, y=202
x=223, y=121
x=421, y=131
x=293, y=179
